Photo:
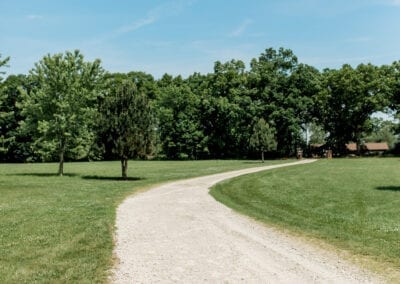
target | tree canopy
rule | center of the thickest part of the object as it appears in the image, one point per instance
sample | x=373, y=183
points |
x=127, y=120
x=60, y=108
x=67, y=108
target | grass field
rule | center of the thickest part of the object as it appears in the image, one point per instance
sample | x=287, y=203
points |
x=60, y=229
x=353, y=204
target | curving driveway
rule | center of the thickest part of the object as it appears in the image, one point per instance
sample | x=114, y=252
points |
x=177, y=232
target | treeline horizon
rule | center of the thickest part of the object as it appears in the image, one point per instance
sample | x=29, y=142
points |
x=202, y=116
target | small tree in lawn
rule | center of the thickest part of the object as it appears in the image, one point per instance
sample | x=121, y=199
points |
x=60, y=109
x=263, y=137
x=128, y=121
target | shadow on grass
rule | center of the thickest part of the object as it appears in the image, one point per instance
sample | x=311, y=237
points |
x=112, y=178
x=43, y=174
x=390, y=188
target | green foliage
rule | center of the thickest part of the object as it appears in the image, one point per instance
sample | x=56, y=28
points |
x=179, y=125
x=352, y=204
x=127, y=119
x=263, y=137
x=15, y=145
x=202, y=116
x=284, y=92
x=382, y=131
x=60, y=108
x=350, y=96
x=318, y=135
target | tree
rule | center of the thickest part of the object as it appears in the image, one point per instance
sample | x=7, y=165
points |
x=317, y=134
x=350, y=96
x=225, y=112
x=178, y=121
x=60, y=109
x=263, y=137
x=382, y=131
x=283, y=92
x=127, y=118
x=15, y=145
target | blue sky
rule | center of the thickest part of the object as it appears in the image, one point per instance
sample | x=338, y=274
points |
x=186, y=36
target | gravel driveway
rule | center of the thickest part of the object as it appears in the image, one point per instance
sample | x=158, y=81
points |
x=177, y=232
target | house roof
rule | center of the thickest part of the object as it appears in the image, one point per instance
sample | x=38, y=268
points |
x=376, y=146
x=351, y=147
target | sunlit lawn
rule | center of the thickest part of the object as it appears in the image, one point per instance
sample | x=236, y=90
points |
x=60, y=229
x=353, y=204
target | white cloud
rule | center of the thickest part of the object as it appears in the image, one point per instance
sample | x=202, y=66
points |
x=241, y=28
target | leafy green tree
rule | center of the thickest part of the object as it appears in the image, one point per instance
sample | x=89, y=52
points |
x=179, y=127
x=128, y=120
x=226, y=115
x=283, y=91
x=263, y=137
x=350, y=96
x=15, y=145
x=60, y=109
x=382, y=131
x=317, y=134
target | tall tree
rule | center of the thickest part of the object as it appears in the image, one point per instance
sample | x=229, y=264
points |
x=283, y=91
x=350, y=96
x=61, y=108
x=178, y=121
x=225, y=109
x=263, y=137
x=128, y=120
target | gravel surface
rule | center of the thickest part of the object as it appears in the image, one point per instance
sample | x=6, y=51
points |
x=177, y=232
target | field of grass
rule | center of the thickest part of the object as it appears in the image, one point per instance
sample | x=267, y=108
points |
x=353, y=204
x=60, y=229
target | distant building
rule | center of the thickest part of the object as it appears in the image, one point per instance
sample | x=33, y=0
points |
x=375, y=148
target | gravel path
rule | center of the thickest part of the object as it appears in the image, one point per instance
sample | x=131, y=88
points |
x=177, y=232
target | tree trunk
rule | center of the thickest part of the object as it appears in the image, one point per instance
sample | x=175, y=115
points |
x=61, y=165
x=124, y=168
x=262, y=156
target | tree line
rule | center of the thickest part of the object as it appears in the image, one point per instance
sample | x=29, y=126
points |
x=67, y=108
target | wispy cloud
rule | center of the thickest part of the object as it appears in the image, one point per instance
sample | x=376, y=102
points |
x=238, y=31
x=34, y=17
x=167, y=9
x=136, y=25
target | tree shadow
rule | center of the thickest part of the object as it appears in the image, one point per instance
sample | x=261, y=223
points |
x=389, y=188
x=112, y=178
x=43, y=174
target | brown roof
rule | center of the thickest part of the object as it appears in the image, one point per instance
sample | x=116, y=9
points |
x=376, y=146
x=351, y=147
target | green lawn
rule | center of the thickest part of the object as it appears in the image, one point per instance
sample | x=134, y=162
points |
x=353, y=204
x=60, y=229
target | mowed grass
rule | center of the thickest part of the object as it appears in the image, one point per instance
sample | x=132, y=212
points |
x=60, y=229
x=353, y=204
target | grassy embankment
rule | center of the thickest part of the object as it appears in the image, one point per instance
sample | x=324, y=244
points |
x=353, y=204
x=60, y=229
